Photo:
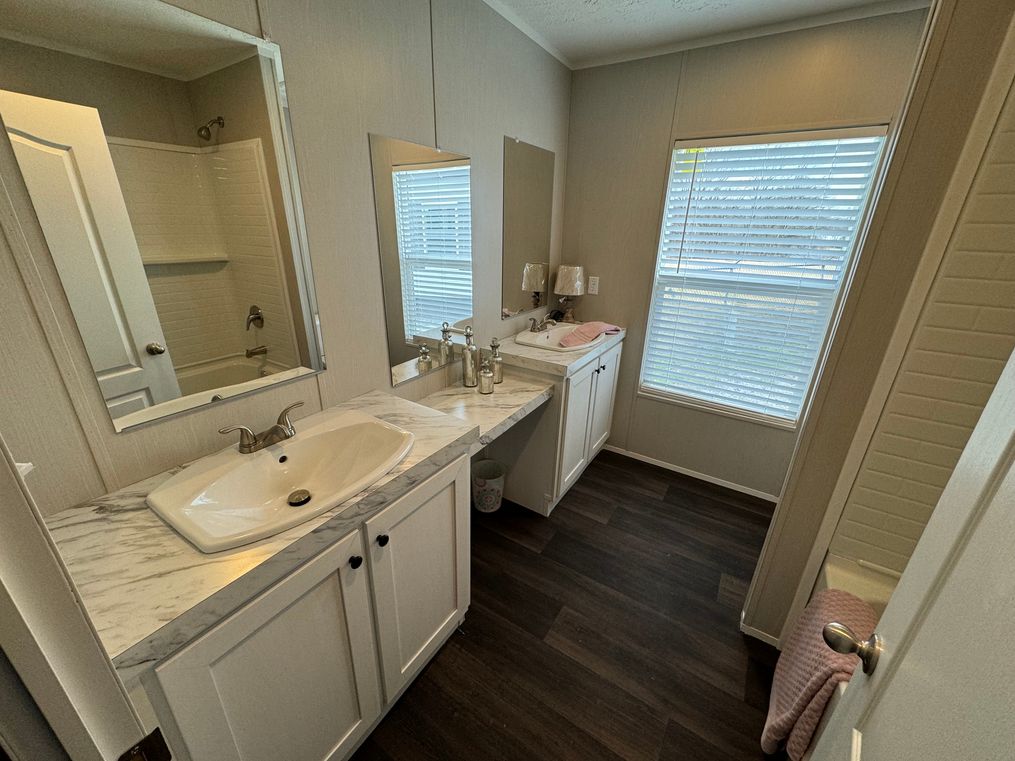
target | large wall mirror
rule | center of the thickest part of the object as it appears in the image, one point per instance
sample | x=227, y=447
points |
x=528, y=216
x=156, y=150
x=423, y=203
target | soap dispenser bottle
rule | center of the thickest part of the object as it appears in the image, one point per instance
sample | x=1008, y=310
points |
x=445, y=349
x=486, y=378
x=470, y=360
x=496, y=361
x=425, y=361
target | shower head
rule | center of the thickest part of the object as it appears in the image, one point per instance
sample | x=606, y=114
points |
x=204, y=131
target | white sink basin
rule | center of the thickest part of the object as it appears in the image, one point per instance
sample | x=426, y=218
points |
x=229, y=499
x=550, y=339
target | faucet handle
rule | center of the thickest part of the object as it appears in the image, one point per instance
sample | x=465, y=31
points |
x=247, y=437
x=283, y=416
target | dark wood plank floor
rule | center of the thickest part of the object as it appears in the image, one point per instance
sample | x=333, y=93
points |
x=607, y=631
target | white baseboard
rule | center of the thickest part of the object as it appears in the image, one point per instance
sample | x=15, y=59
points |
x=750, y=631
x=694, y=474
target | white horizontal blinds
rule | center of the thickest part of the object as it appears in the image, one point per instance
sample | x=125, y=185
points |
x=755, y=240
x=433, y=213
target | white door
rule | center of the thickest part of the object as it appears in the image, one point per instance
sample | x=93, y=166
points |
x=574, y=446
x=62, y=151
x=419, y=565
x=292, y=676
x=944, y=686
x=601, y=411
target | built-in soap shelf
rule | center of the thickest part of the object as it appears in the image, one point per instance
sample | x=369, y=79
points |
x=185, y=259
x=24, y=468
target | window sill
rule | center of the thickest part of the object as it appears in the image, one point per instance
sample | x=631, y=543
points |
x=718, y=409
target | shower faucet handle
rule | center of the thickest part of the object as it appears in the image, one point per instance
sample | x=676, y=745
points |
x=255, y=317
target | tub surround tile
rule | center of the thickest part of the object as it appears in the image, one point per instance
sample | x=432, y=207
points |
x=149, y=592
x=559, y=363
x=512, y=400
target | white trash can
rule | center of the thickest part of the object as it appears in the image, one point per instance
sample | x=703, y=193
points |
x=487, y=485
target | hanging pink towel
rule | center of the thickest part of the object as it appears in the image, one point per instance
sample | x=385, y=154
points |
x=809, y=670
x=589, y=331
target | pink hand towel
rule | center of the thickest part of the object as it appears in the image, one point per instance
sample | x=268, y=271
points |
x=588, y=332
x=809, y=670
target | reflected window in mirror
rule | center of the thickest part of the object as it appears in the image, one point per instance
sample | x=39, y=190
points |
x=433, y=215
x=423, y=207
x=528, y=217
x=164, y=186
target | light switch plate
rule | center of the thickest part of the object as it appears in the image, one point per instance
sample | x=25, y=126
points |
x=593, y=286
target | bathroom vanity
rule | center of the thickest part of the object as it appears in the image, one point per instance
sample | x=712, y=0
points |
x=548, y=452
x=294, y=646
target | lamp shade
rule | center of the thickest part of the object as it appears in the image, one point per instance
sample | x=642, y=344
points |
x=534, y=277
x=570, y=280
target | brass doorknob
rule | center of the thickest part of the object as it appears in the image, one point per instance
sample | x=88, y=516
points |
x=155, y=348
x=841, y=639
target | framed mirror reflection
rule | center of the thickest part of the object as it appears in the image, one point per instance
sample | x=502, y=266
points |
x=423, y=207
x=528, y=216
x=160, y=165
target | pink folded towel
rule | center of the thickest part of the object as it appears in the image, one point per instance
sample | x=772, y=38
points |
x=809, y=670
x=590, y=331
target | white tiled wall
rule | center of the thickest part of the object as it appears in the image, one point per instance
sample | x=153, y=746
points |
x=188, y=204
x=962, y=340
x=247, y=222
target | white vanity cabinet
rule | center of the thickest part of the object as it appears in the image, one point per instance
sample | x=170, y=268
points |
x=546, y=453
x=297, y=673
x=588, y=413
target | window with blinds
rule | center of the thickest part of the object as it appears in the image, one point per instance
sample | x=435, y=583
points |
x=756, y=237
x=433, y=219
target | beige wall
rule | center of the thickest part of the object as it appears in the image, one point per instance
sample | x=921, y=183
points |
x=624, y=120
x=959, y=59
x=131, y=103
x=494, y=81
x=351, y=68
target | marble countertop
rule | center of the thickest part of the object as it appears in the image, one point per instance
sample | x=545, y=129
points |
x=149, y=592
x=560, y=363
x=511, y=401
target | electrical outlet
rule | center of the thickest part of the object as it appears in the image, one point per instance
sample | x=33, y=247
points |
x=593, y=286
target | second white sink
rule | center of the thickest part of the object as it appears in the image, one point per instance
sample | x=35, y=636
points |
x=550, y=338
x=229, y=499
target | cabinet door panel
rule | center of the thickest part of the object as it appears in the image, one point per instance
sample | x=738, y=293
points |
x=601, y=413
x=292, y=675
x=419, y=565
x=574, y=437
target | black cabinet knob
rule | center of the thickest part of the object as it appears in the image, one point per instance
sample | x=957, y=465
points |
x=355, y=561
x=382, y=540
x=603, y=367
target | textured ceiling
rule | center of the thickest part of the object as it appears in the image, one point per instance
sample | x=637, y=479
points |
x=585, y=33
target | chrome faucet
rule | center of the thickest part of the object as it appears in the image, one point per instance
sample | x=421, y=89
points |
x=251, y=442
x=541, y=325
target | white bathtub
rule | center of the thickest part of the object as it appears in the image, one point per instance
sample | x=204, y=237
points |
x=867, y=582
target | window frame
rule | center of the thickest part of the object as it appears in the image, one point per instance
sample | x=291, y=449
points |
x=761, y=138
